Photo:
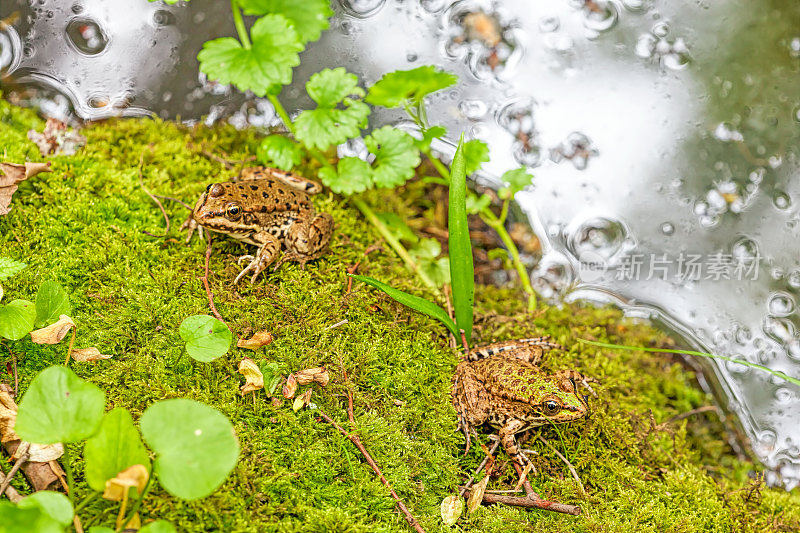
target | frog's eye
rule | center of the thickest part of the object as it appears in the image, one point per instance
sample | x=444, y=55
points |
x=233, y=211
x=551, y=407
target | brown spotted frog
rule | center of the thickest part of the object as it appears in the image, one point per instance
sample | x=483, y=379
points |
x=502, y=385
x=268, y=208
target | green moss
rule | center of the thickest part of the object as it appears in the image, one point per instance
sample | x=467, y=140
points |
x=83, y=225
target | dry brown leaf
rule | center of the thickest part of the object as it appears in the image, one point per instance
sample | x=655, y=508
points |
x=313, y=375
x=8, y=417
x=11, y=174
x=83, y=355
x=1, y=292
x=259, y=339
x=290, y=387
x=42, y=453
x=54, y=333
x=451, y=508
x=254, y=379
x=56, y=139
x=476, y=495
x=302, y=400
x=133, y=476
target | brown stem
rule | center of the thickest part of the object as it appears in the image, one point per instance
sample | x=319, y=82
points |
x=480, y=467
x=569, y=465
x=205, y=283
x=530, y=503
x=697, y=411
x=174, y=200
x=19, y=462
x=10, y=491
x=530, y=493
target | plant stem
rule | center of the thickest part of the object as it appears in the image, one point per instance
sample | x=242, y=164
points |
x=497, y=225
x=438, y=165
x=86, y=501
x=70, y=479
x=138, y=502
x=239, y=23
x=393, y=242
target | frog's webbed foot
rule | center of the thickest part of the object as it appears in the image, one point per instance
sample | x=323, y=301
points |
x=191, y=225
x=267, y=253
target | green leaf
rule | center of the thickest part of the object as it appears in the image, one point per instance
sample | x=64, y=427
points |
x=14, y=519
x=434, y=132
x=328, y=124
x=272, y=376
x=476, y=204
x=461, y=270
x=195, y=446
x=426, y=249
x=115, y=447
x=9, y=267
x=517, y=179
x=426, y=254
x=159, y=526
x=53, y=504
x=206, y=337
x=414, y=302
x=102, y=529
x=59, y=407
x=308, y=19
x=17, y=319
x=268, y=62
x=352, y=175
x=396, y=156
x=476, y=152
x=397, y=88
x=279, y=151
x=51, y=302
x=398, y=227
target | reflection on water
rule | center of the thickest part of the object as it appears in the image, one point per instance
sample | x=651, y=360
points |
x=664, y=137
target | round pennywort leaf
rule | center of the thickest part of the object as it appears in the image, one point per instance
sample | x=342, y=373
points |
x=206, y=337
x=51, y=302
x=17, y=319
x=53, y=504
x=115, y=447
x=196, y=447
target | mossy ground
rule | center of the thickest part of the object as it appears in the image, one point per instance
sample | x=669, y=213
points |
x=82, y=225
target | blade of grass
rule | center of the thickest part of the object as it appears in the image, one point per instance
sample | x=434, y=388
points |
x=414, y=302
x=462, y=277
x=777, y=373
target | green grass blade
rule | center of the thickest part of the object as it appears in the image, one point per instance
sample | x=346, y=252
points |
x=462, y=276
x=777, y=373
x=414, y=302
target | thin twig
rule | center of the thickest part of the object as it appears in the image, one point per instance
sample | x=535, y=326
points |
x=205, y=283
x=10, y=491
x=184, y=204
x=529, y=492
x=357, y=441
x=530, y=503
x=569, y=465
x=69, y=348
x=340, y=323
x=152, y=197
x=687, y=414
x=17, y=464
x=480, y=467
x=351, y=270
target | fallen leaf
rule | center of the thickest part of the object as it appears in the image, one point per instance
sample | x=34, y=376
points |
x=290, y=387
x=57, y=139
x=42, y=453
x=302, y=401
x=399, y=403
x=476, y=495
x=133, y=476
x=259, y=339
x=254, y=379
x=12, y=174
x=8, y=417
x=1, y=292
x=313, y=375
x=451, y=508
x=54, y=333
x=84, y=355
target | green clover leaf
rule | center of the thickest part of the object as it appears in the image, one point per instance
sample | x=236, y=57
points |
x=476, y=204
x=352, y=175
x=396, y=156
x=279, y=151
x=434, y=132
x=328, y=124
x=400, y=87
x=268, y=62
x=517, y=179
x=308, y=20
x=476, y=153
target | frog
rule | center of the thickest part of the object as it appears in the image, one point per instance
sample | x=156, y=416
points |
x=269, y=208
x=502, y=385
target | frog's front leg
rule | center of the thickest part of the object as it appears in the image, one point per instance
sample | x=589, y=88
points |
x=509, y=441
x=269, y=248
x=306, y=241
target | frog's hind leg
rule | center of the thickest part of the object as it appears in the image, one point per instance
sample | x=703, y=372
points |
x=306, y=241
x=529, y=350
x=470, y=399
x=569, y=379
x=295, y=181
x=269, y=248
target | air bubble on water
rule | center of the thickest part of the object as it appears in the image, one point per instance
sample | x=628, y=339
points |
x=794, y=279
x=745, y=250
x=636, y=6
x=549, y=24
x=433, y=6
x=355, y=147
x=598, y=237
x=794, y=47
x=660, y=29
x=780, y=304
x=362, y=8
x=742, y=334
x=162, y=17
x=667, y=228
x=779, y=329
x=577, y=148
x=473, y=109
x=10, y=45
x=600, y=16
x=77, y=8
x=411, y=57
x=553, y=276
x=781, y=200
x=645, y=46
x=86, y=36
x=726, y=132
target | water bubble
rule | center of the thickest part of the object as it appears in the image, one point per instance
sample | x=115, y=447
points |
x=745, y=250
x=779, y=329
x=362, y=8
x=781, y=200
x=86, y=35
x=10, y=45
x=77, y=8
x=726, y=132
x=598, y=236
x=780, y=304
x=553, y=275
x=433, y=6
x=660, y=29
x=645, y=46
x=411, y=57
x=162, y=17
x=636, y=6
x=473, y=109
x=667, y=228
x=549, y=24
x=601, y=17
x=794, y=279
x=97, y=101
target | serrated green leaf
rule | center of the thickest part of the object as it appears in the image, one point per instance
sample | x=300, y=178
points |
x=396, y=156
x=329, y=124
x=351, y=175
x=115, y=447
x=426, y=249
x=462, y=276
x=53, y=504
x=434, y=132
x=308, y=19
x=279, y=151
x=17, y=319
x=9, y=267
x=476, y=153
x=402, y=86
x=426, y=254
x=51, y=302
x=272, y=376
x=195, y=445
x=59, y=407
x=414, y=302
x=397, y=227
x=269, y=62
x=206, y=337
x=517, y=179
x=476, y=204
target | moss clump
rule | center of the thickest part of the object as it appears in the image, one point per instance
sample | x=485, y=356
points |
x=83, y=226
